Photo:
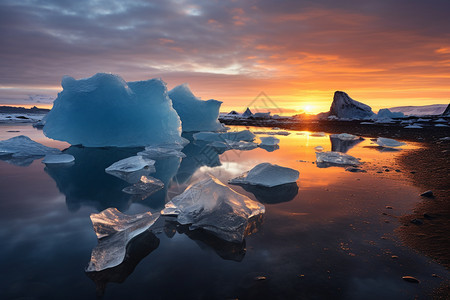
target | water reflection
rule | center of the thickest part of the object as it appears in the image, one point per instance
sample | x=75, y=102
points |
x=269, y=148
x=19, y=161
x=343, y=146
x=137, y=249
x=271, y=195
x=87, y=183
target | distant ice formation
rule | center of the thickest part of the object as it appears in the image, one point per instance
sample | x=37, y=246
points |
x=22, y=146
x=114, y=231
x=214, y=207
x=391, y=143
x=425, y=110
x=195, y=114
x=247, y=113
x=345, y=107
x=325, y=159
x=104, y=110
x=385, y=113
x=266, y=174
x=131, y=169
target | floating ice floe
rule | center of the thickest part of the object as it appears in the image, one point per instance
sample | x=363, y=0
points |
x=244, y=135
x=58, y=159
x=385, y=142
x=195, y=114
x=335, y=158
x=161, y=152
x=441, y=125
x=318, y=148
x=146, y=186
x=440, y=120
x=266, y=174
x=367, y=123
x=236, y=145
x=131, y=169
x=344, y=136
x=104, y=110
x=412, y=126
x=114, y=231
x=318, y=134
x=214, y=207
x=268, y=141
x=22, y=147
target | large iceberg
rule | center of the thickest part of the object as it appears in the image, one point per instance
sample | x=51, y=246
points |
x=114, y=231
x=326, y=159
x=244, y=135
x=266, y=174
x=195, y=114
x=22, y=147
x=104, y=110
x=345, y=107
x=214, y=207
x=131, y=169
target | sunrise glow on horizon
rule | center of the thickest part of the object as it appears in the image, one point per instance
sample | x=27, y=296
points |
x=298, y=53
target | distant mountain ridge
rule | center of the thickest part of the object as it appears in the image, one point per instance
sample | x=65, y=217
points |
x=433, y=109
x=23, y=110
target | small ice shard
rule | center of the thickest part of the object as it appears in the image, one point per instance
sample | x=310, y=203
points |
x=214, y=207
x=146, y=186
x=236, y=145
x=440, y=120
x=244, y=135
x=441, y=125
x=335, y=158
x=114, y=231
x=281, y=132
x=318, y=148
x=161, y=152
x=317, y=134
x=266, y=174
x=269, y=141
x=390, y=143
x=345, y=136
x=131, y=169
x=412, y=126
x=22, y=147
x=58, y=159
x=195, y=114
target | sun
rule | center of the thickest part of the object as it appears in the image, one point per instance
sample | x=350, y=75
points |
x=308, y=108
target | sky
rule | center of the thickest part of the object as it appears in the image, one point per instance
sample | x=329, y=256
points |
x=295, y=53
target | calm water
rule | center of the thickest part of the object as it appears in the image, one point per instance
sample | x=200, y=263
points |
x=326, y=237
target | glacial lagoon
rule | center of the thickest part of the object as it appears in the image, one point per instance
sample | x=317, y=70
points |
x=329, y=235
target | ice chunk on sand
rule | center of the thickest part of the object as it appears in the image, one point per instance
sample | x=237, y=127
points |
x=244, y=135
x=114, y=231
x=344, y=136
x=413, y=126
x=195, y=114
x=22, y=147
x=131, y=169
x=385, y=142
x=104, y=110
x=266, y=174
x=146, y=186
x=268, y=141
x=336, y=158
x=213, y=206
x=236, y=145
x=58, y=159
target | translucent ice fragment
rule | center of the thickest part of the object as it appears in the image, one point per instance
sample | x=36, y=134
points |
x=131, y=169
x=58, y=159
x=336, y=158
x=266, y=174
x=114, y=231
x=344, y=136
x=385, y=142
x=146, y=186
x=213, y=206
x=269, y=141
